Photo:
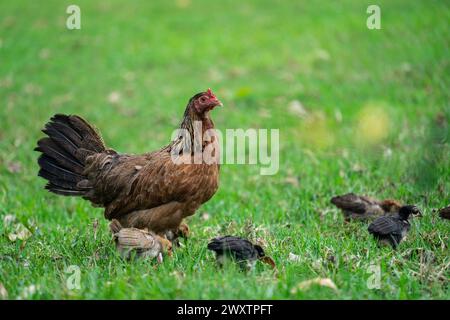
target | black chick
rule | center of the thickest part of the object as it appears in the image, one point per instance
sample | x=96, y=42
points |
x=444, y=213
x=393, y=228
x=240, y=250
x=363, y=207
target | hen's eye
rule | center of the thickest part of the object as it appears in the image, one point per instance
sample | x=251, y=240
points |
x=202, y=99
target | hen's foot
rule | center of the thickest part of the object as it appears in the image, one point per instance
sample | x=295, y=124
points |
x=181, y=232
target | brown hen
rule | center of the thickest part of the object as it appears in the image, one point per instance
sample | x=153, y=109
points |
x=155, y=190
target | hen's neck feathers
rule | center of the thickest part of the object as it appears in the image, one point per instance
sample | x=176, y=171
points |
x=190, y=117
x=191, y=121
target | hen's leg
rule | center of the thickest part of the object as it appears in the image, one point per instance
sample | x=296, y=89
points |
x=183, y=230
x=174, y=235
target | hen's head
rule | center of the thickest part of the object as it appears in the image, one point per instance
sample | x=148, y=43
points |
x=204, y=101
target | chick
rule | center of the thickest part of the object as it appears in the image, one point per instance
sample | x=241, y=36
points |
x=240, y=250
x=444, y=213
x=364, y=208
x=392, y=229
x=144, y=244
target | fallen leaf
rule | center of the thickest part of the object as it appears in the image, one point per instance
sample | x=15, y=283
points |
x=293, y=257
x=114, y=97
x=3, y=292
x=14, y=167
x=296, y=108
x=205, y=216
x=21, y=232
x=387, y=153
x=358, y=168
x=305, y=285
x=28, y=292
x=292, y=181
x=8, y=220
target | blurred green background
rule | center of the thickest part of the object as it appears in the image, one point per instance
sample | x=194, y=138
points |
x=358, y=110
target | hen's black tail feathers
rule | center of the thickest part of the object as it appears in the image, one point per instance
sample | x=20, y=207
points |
x=70, y=141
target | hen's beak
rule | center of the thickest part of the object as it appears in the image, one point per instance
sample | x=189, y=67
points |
x=218, y=103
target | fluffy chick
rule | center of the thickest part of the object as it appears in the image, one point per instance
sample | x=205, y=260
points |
x=364, y=208
x=142, y=243
x=444, y=213
x=240, y=250
x=392, y=229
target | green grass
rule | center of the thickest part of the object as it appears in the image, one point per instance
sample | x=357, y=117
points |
x=373, y=99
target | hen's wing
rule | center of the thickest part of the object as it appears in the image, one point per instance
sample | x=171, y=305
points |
x=126, y=183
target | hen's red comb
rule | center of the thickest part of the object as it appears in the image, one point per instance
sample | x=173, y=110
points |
x=210, y=93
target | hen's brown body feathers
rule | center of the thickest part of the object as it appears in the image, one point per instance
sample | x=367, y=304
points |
x=149, y=191
x=142, y=191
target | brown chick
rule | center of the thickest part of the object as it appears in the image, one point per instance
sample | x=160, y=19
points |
x=444, y=213
x=142, y=243
x=363, y=207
